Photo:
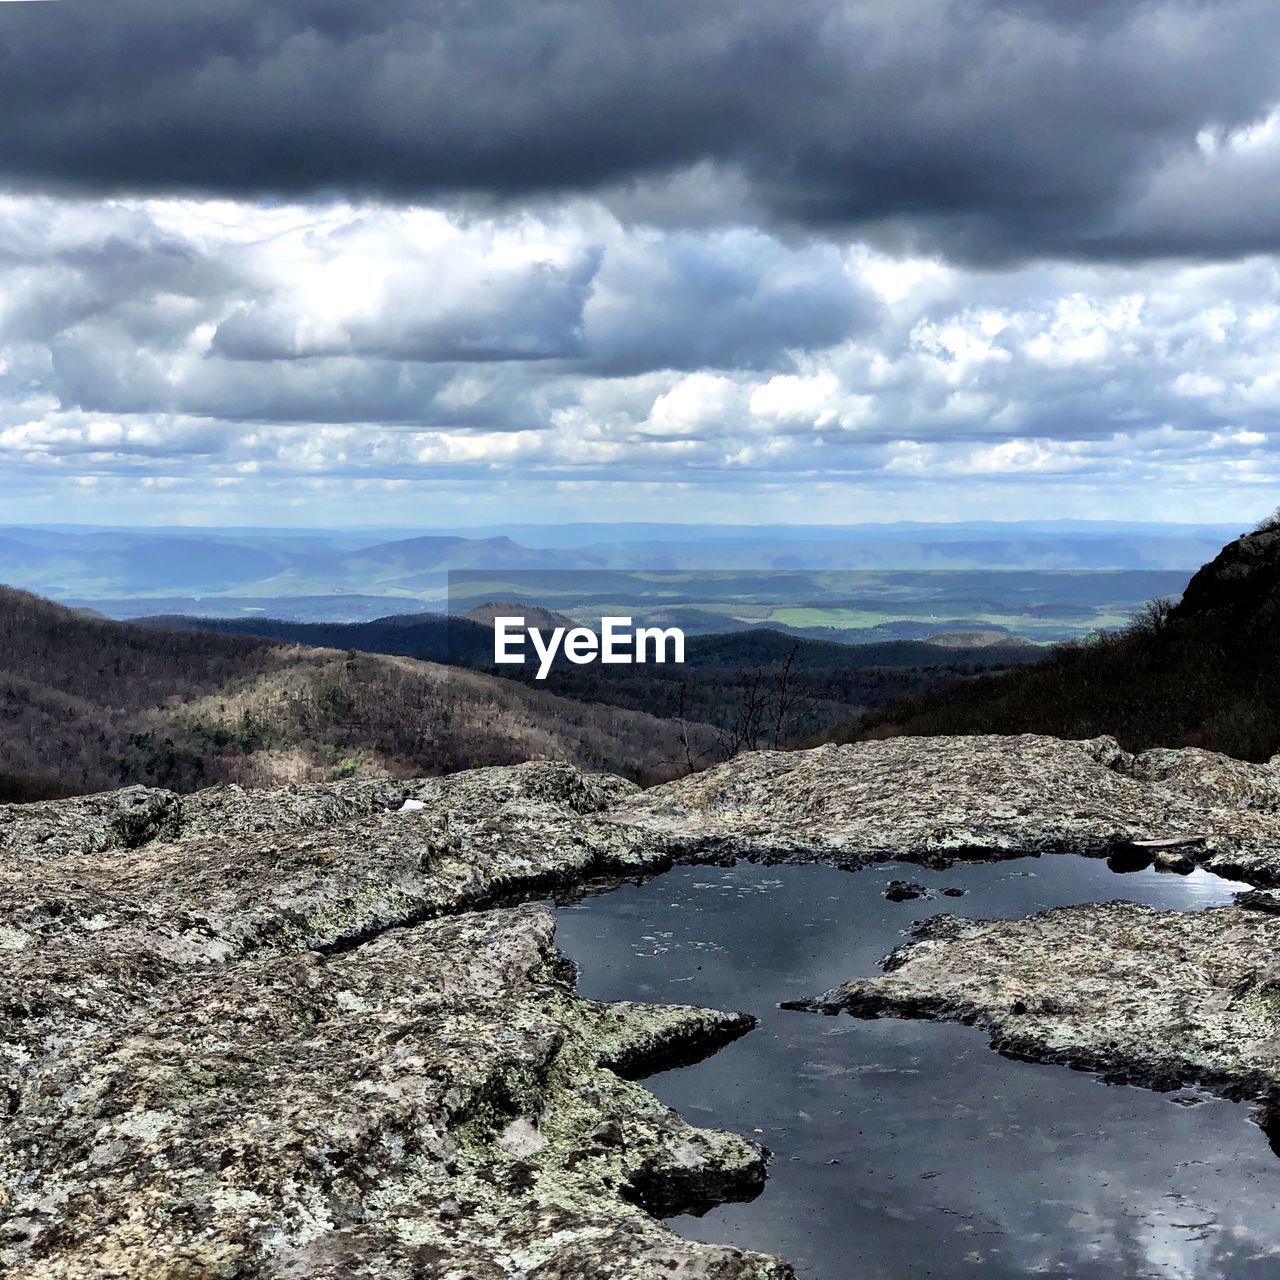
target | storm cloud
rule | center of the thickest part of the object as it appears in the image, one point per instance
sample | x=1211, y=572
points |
x=811, y=261
x=984, y=129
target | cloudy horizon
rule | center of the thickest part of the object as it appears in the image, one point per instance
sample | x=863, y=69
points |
x=308, y=262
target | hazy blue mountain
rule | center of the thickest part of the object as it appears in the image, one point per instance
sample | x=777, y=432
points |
x=292, y=573
x=1204, y=673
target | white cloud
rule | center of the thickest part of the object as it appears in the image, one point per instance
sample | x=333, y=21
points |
x=696, y=404
x=251, y=355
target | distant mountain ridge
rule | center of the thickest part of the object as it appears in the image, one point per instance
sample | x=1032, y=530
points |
x=127, y=565
x=468, y=641
x=1204, y=672
x=103, y=565
x=533, y=615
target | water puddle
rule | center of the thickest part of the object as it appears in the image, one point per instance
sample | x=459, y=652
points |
x=909, y=1149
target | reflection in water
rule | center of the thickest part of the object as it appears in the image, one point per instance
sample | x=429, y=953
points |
x=908, y=1149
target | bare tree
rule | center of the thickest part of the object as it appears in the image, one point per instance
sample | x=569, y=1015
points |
x=679, y=713
x=792, y=703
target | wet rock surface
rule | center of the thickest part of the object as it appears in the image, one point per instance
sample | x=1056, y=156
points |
x=266, y=1034
x=1156, y=998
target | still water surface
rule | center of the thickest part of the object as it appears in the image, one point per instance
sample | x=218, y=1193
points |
x=909, y=1149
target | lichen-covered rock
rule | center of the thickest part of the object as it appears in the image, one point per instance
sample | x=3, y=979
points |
x=1158, y=998
x=1216, y=780
x=279, y=877
x=307, y=1033
x=941, y=800
x=546, y=781
x=233, y=808
x=352, y=1109
x=134, y=816
x=913, y=798
x=220, y=810
x=262, y=1034
x=88, y=824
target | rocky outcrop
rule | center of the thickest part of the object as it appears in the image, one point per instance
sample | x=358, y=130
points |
x=267, y=1034
x=431, y=1103
x=943, y=800
x=1242, y=580
x=1157, y=998
x=88, y=824
x=312, y=1033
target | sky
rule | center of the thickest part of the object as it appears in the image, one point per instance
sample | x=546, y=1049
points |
x=458, y=261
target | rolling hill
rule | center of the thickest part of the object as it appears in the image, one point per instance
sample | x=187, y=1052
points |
x=834, y=681
x=90, y=704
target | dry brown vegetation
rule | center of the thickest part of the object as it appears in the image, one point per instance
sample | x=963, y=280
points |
x=90, y=704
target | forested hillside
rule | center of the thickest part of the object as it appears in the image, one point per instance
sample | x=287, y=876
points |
x=89, y=704
x=828, y=682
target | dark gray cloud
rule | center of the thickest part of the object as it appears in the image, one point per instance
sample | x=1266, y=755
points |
x=987, y=128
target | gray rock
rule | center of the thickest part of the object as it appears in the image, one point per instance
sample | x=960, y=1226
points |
x=310, y=1033
x=1157, y=998
x=219, y=810
x=264, y=1034
x=1260, y=900
x=322, y=1116
x=942, y=800
x=88, y=824
x=1178, y=860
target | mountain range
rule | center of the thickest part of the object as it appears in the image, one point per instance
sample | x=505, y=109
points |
x=345, y=575
x=91, y=703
